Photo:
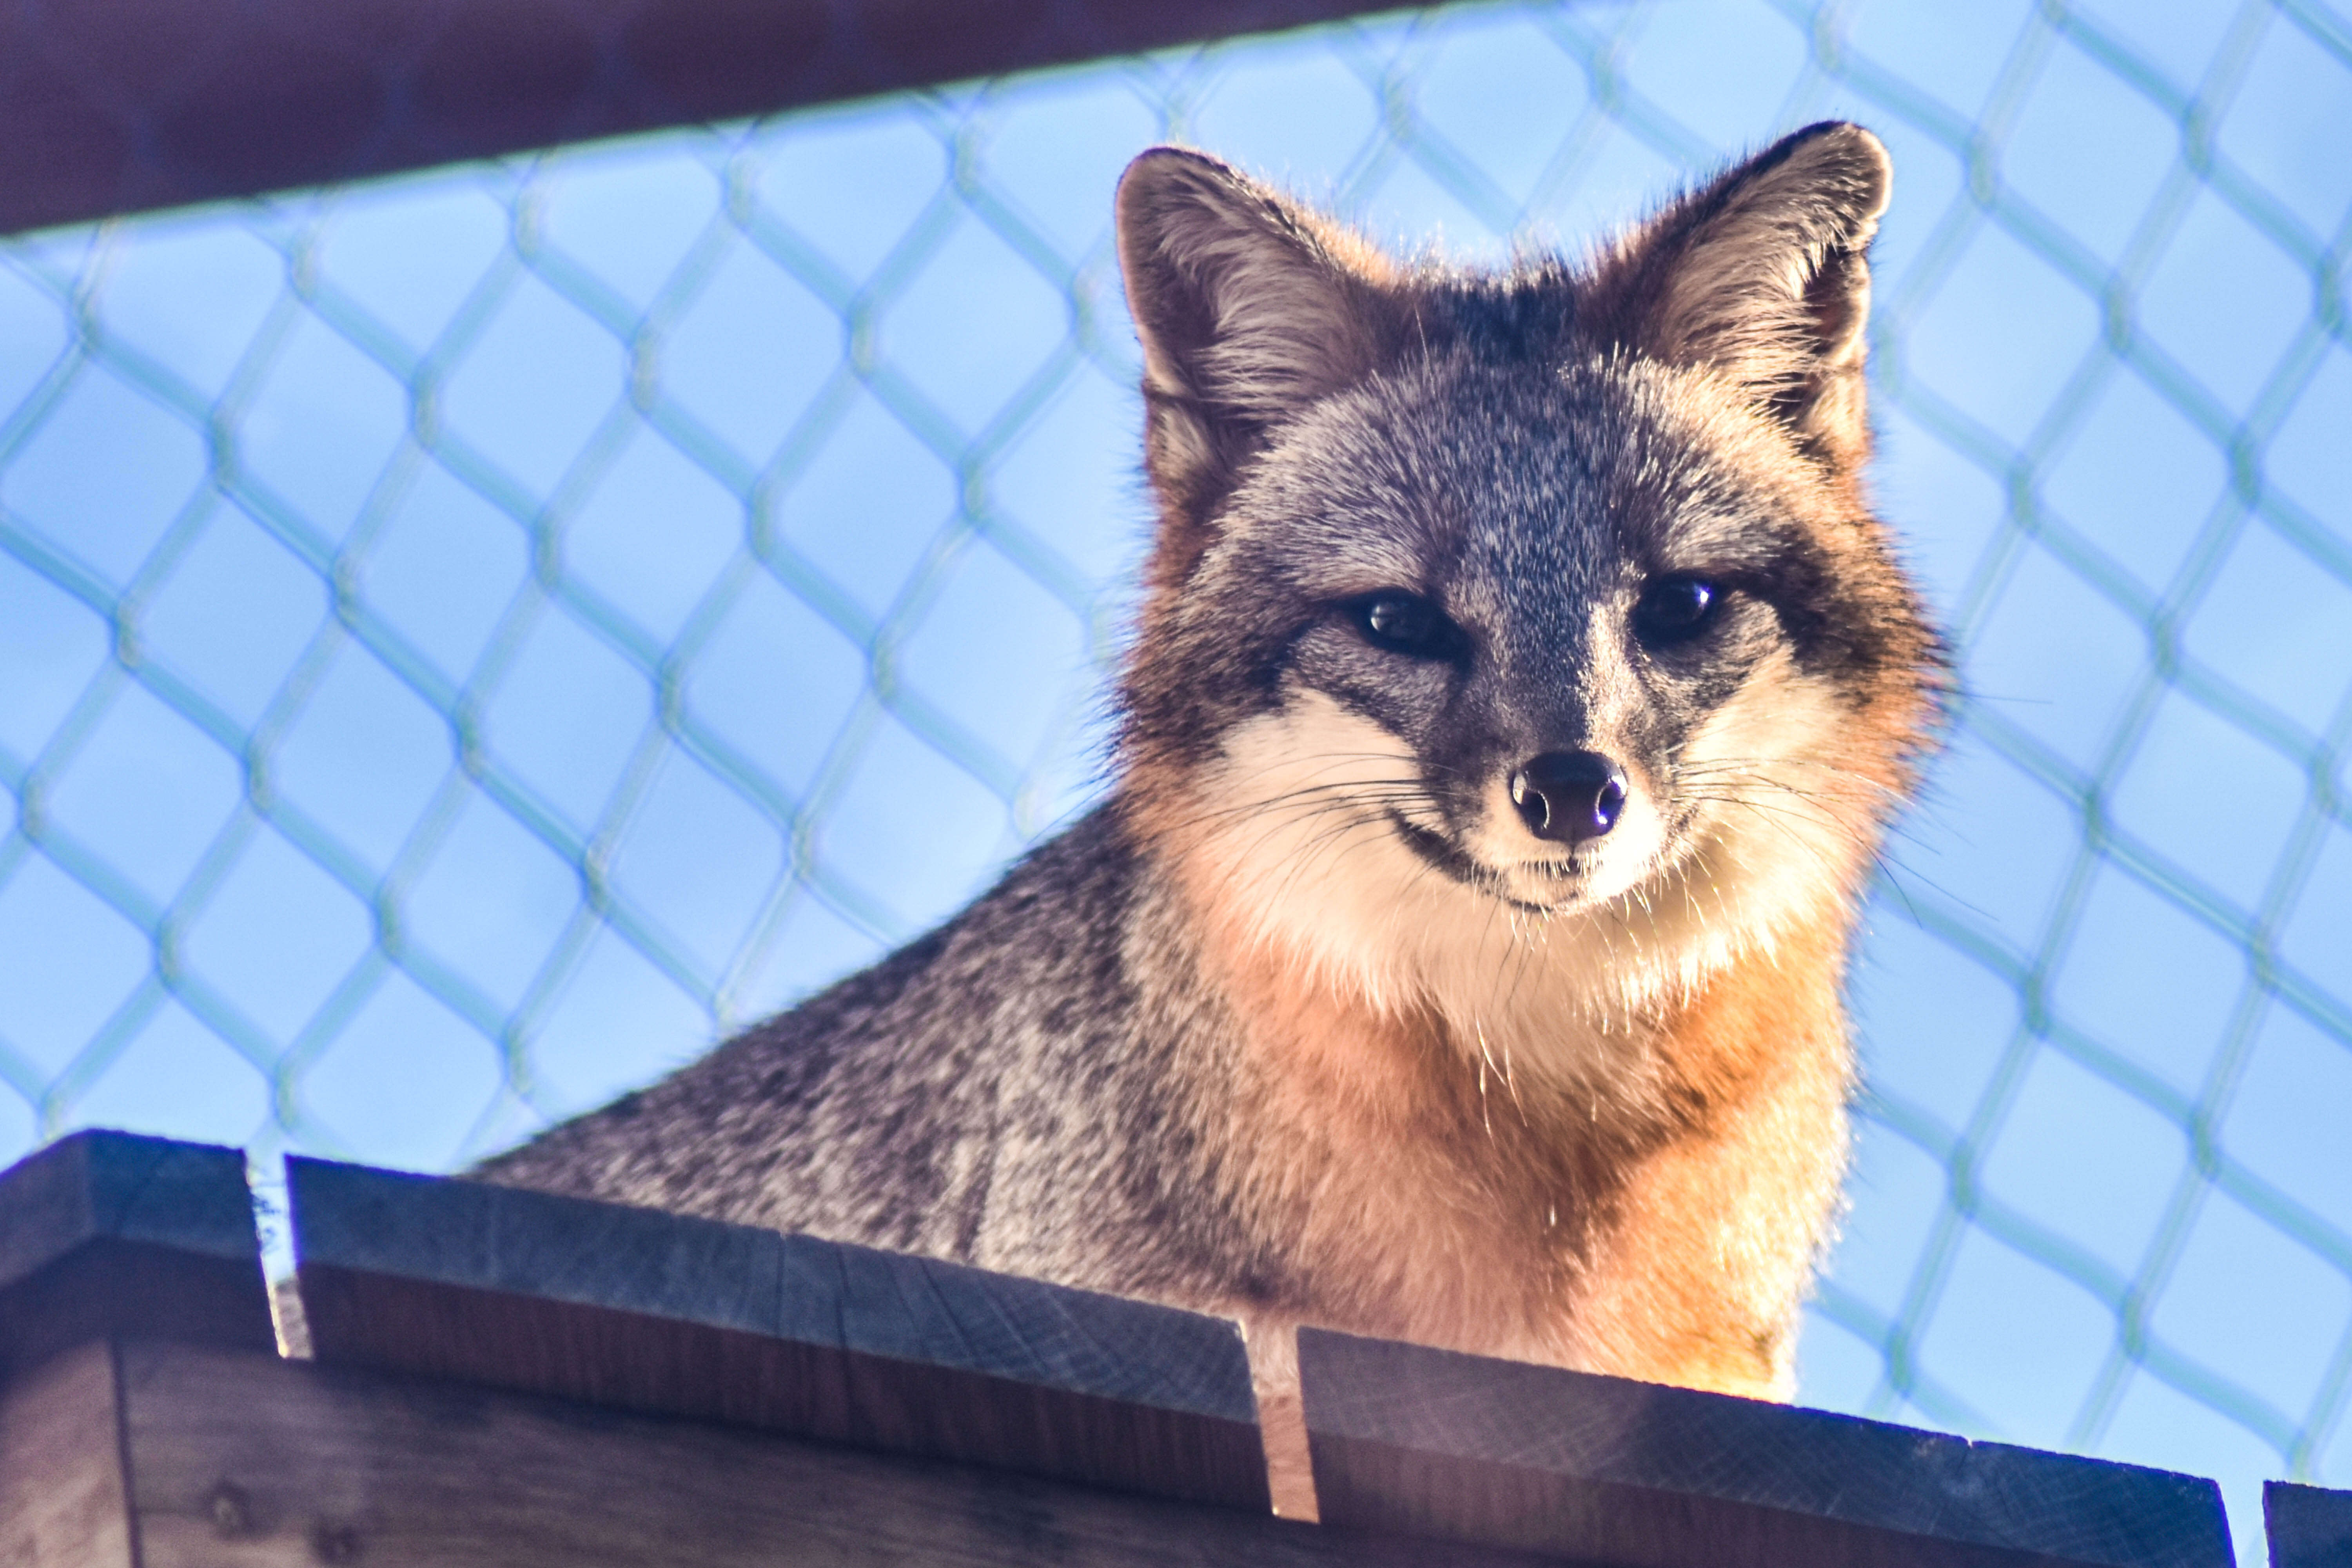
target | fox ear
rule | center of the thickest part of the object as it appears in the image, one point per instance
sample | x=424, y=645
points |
x=1764, y=277
x=1248, y=310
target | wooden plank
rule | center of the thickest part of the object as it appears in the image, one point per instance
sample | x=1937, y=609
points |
x=652, y=1311
x=246, y=1461
x=110, y=1234
x=108, y=107
x=2308, y=1527
x=1410, y=1439
x=62, y=1503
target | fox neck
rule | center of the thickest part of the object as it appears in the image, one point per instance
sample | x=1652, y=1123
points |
x=1483, y=1126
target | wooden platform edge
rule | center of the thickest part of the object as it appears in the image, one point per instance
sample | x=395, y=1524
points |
x=113, y=1234
x=124, y=1185
x=2308, y=1527
x=242, y=1460
x=662, y=1313
x=1408, y=1438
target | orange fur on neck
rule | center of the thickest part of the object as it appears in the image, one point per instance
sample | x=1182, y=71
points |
x=1414, y=1197
x=1716, y=1230
x=1410, y=1191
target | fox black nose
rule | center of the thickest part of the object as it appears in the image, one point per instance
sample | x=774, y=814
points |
x=1569, y=796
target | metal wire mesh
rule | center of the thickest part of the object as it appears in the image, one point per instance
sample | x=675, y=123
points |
x=471, y=641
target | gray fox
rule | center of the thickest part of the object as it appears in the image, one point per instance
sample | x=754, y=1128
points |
x=1521, y=688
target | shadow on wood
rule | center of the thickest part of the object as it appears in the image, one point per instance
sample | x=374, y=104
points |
x=1438, y=1444
x=660, y=1313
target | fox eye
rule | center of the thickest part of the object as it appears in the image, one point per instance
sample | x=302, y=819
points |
x=1406, y=624
x=1675, y=609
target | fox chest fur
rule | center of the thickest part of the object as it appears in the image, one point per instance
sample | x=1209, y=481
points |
x=1522, y=685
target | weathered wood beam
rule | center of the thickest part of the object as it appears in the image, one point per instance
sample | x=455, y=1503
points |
x=143, y=1421
x=163, y=1456
x=659, y=1312
x=2308, y=1527
x=1464, y=1447
x=62, y=1499
x=110, y=106
x=105, y=1234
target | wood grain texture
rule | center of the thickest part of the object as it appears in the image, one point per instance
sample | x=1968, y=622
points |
x=246, y=1461
x=62, y=1503
x=2308, y=1527
x=108, y=1233
x=651, y=1311
x=1410, y=1439
x=108, y=108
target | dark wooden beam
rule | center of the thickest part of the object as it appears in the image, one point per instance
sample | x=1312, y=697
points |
x=2308, y=1527
x=1464, y=1448
x=62, y=1495
x=660, y=1313
x=105, y=1234
x=240, y=1460
x=110, y=106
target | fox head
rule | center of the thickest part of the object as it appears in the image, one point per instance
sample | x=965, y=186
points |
x=1518, y=631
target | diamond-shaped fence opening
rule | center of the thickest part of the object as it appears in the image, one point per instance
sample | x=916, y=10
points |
x=472, y=639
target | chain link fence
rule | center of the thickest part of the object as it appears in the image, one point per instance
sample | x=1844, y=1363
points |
x=473, y=640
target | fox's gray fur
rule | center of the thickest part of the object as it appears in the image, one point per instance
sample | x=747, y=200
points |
x=1306, y=1022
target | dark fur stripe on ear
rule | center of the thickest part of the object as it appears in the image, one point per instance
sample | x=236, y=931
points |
x=1249, y=309
x=1762, y=275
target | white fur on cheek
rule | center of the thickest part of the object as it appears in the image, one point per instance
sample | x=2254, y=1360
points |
x=1784, y=823
x=1299, y=850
